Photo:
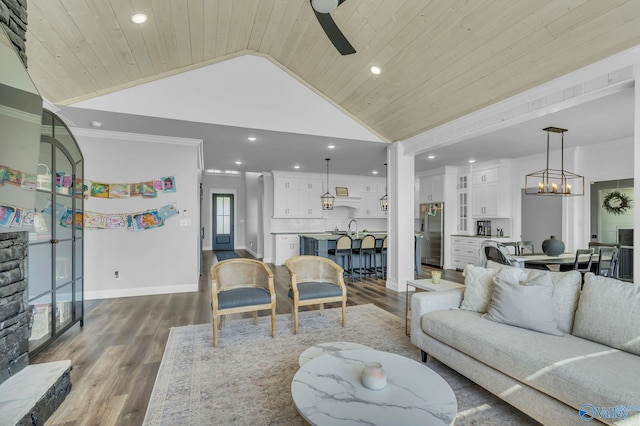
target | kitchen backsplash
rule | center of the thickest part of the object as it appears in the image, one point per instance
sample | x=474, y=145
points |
x=338, y=217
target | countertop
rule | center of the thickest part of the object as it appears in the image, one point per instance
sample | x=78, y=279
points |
x=331, y=237
x=484, y=237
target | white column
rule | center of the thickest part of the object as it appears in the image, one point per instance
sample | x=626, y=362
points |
x=400, y=224
x=636, y=177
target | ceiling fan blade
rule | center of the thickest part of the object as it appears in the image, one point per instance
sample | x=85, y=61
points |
x=333, y=32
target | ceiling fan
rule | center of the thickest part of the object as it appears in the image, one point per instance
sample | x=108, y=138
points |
x=323, y=9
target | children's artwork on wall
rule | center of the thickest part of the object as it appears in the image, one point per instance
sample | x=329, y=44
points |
x=148, y=190
x=18, y=218
x=135, y=189
x=94, y=221
x=28, y=217
x=168, y=210
x=6, y=215
x=147, y=220
x=157, y=184
x=168, y=184
x=99, y=190
x=13, y=177
x=118, y=190
x=3, y=174
x=115, y=221
x=28, y=181
x=66, y=218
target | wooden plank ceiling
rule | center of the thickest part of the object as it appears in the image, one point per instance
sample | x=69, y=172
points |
x=441, y=59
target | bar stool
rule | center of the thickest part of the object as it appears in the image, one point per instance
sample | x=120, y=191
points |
x=366, y=251
x=382, y=253
x=344, y=250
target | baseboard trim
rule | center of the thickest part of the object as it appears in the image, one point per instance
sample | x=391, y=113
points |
x=139, y=291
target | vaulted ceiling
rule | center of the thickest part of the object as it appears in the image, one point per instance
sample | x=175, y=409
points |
x=440, y=59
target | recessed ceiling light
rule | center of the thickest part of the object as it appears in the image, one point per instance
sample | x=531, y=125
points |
x=375, y=172
x=431, y=157
x=139, y=18
x=296, y=166
x=252, y=138
x=375, y=70
x=96, y=123
x=331, y=146
x=238, y=162
x=472, y=161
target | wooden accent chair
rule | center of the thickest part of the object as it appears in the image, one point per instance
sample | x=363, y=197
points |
x=315, y=280
x=241, y=285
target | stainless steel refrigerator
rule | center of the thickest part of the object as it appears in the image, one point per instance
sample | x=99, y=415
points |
x=433, y=227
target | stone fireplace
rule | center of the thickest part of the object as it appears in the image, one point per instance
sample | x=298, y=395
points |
x=14, y=315
x=29, y=394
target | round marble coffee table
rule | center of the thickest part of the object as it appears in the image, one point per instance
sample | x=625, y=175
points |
x=325, y=348
x=327, y=391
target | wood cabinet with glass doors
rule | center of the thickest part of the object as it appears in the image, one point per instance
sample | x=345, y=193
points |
x=55, y=260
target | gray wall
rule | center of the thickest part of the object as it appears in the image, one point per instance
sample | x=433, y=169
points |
x=541, y=218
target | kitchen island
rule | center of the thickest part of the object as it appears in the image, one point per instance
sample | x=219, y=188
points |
x=320, y=244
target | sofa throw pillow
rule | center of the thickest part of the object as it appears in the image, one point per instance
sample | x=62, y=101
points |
x=478, y=283
x=609, y=313
x=525, y=304
x=566, y=292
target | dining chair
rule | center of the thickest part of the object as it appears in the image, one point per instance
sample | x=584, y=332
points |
x=526, y=247
x=315, y=280
x=581, y=263
x=344, y=251
x=607, y=261
x=515, y=245
x=241, y=285
x=497, y=252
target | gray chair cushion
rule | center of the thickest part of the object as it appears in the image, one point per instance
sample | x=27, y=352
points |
x=315, y=290
x=243, y=296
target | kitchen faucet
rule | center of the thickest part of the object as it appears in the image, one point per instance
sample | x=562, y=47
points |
x=349, y=226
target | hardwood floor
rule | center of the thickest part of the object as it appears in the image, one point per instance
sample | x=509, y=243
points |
x=116, y=355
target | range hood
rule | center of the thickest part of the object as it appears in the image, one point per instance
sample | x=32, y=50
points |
x=351, y=201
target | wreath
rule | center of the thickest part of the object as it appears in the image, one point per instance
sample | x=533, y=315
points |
x=616, y=203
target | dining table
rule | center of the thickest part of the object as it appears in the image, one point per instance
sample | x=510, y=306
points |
x=542, y=259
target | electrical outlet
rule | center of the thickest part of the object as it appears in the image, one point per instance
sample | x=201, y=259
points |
x=117, y=275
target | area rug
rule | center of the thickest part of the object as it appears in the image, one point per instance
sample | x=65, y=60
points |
x=225, y=254
x=246, y=380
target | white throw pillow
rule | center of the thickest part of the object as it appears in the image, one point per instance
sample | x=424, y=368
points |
x=478, y=283
x=566, y=291
x=525, y=304
x=609, y=313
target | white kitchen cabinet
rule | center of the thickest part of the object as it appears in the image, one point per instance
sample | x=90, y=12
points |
x=466, y=250
x=489, y=194
x=297, y=196
x=432, y=189
x=370, y=193
x=284, y=247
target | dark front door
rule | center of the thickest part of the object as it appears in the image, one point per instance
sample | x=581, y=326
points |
x=223, y=225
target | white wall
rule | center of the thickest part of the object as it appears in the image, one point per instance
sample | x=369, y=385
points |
x=161, y=260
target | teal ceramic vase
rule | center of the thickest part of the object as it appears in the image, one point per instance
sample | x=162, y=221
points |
x=553, y=246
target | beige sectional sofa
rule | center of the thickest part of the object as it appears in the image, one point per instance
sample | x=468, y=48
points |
x=583, y=364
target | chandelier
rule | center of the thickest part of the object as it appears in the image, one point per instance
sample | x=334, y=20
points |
x=327, y=198
x=384, y=200
x=550, y=181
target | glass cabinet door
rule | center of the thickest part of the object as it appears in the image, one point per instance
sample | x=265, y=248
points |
x=55, y=260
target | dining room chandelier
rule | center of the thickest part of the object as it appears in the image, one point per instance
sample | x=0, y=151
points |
x=559, y=182
x=327, y=198
x=384, y=200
